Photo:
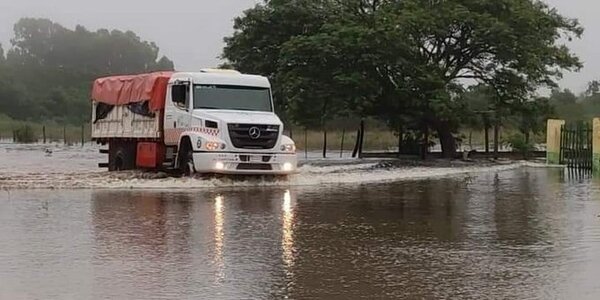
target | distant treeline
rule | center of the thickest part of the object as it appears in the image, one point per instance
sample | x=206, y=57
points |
x=574, y=108
x=46, y=74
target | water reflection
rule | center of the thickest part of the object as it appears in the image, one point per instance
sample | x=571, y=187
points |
x=520, y=234
x=219, y=237
x=287, y=241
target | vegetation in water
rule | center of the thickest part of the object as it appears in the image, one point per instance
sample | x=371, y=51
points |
x=24, y=135
x=520, y=144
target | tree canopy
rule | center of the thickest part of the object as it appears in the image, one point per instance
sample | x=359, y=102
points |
x=408, y=60
x=48, y=70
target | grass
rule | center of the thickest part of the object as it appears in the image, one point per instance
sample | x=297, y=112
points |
x=54, y=131
x=377, y=138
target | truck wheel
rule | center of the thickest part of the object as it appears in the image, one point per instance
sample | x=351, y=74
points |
x=121, y=156
x=186, y=159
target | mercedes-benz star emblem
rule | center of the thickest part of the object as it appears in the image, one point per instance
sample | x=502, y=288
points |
x=254, y=133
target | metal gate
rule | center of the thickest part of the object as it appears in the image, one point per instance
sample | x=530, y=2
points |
x=576, y=146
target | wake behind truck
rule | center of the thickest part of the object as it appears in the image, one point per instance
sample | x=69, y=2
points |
x=212, y=121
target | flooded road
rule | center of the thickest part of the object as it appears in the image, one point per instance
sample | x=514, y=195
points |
x=526, y=233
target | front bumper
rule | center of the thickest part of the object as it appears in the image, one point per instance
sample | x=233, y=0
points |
x=246, y=163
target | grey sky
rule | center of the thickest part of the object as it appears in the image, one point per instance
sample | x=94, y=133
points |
x=191, y=31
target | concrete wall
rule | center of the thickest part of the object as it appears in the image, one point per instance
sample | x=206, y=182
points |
x=553, y=141
x=596, y=145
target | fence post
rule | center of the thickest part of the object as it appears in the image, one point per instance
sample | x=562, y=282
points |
x=362, y=138
x=305, y=143
x=65, y=135
x=356, y=144
x=324, y=142
x=44, y=133
x=342, y=146
x=82, y=135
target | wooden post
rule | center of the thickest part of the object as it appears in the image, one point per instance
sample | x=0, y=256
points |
x=65, y=135
x=305, y=143
x=82, y=135
x=342, y=146
x=362, y=139
x=14, y=140
x=324, y=142
x=44, y=133
x=356, y=144
x=400, y=140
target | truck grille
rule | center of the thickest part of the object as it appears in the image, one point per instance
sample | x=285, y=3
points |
x=255, y=167
x=249, y=136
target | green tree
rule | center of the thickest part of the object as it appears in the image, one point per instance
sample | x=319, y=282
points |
x=566, y=105
x=410, y=57
x=49, y=69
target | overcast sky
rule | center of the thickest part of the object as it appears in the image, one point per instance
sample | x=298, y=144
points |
x=191, y=32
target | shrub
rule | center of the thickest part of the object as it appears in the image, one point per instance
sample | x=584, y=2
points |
x=519, y=145
x=25, y=135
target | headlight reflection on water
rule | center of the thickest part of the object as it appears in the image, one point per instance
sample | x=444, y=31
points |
x=219, y=237
x=287, y=242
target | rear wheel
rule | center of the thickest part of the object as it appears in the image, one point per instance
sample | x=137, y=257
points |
x=186, y=159
x=121, y=156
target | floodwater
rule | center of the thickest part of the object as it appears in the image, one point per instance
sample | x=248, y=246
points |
x=513, y=233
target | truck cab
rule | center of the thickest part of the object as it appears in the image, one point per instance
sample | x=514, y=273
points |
x=224, y=122
x=211, y=121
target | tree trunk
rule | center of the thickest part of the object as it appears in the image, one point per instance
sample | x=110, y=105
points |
x=425, y=143
x=324, y=142
x=356, y=144
x=447, y=141
x=400, y=140
x=362, y=139
x=470, y=139
x=496, y=140
x=487, y=136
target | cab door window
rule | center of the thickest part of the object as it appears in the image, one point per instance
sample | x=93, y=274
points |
x=180, y=94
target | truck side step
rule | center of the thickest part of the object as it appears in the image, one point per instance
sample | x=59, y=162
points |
x=103, y=165
x=104, y=151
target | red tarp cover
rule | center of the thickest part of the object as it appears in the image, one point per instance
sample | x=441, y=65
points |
x=122, y=90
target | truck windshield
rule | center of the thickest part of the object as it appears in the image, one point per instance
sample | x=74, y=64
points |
x=232, y=97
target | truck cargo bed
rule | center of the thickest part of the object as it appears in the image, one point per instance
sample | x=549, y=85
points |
x=123, y=123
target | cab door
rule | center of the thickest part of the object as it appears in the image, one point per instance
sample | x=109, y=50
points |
x=178, y=111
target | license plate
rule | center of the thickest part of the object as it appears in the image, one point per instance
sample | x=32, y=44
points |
x=255, y=158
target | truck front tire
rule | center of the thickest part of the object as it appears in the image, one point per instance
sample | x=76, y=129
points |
x=121, y=156
x=186, y=158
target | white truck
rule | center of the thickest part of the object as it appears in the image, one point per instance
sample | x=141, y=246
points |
x=212, y=121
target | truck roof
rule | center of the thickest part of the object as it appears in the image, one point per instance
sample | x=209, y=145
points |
x=152, y=87
x=222, y=77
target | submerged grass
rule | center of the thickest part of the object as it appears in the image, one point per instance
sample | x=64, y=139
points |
x=377, y=138
x=55, y=132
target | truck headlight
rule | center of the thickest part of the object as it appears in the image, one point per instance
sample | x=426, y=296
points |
x=212, y=146
x=288, y=148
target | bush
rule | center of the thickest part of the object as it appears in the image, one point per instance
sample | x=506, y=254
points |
x=519, y=145
x=25, y=135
